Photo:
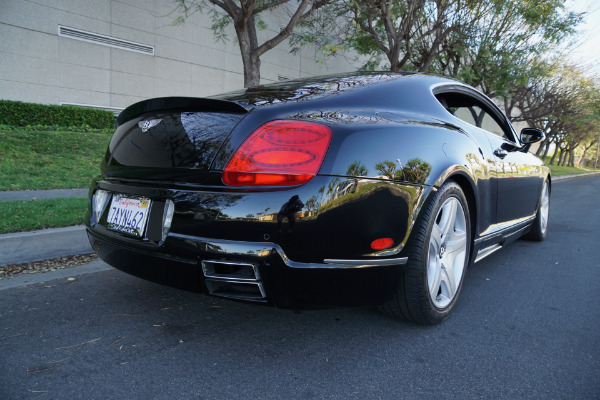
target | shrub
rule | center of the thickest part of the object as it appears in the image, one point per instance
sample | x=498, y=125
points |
x=16, y=113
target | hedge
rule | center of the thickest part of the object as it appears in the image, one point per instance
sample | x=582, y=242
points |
x=16, y=113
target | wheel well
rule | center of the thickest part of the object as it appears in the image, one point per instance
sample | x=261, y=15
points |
x=467, y=189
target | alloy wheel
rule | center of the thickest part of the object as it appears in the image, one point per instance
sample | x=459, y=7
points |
x=544, y=208
x=447, y=253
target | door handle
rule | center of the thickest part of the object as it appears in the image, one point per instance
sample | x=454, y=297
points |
x=500, y=153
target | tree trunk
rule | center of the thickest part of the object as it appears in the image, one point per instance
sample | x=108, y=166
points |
x=585, y=150
x=561, y=158
x=546, y=152
x=556, y=150
x=248, y=43
x=542, y=147
x=567, y=159
x=251, y=71
x=581, y=159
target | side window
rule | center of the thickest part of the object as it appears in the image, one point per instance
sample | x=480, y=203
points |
x=472, y=111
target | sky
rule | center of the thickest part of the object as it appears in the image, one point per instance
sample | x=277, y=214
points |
x=587, y=51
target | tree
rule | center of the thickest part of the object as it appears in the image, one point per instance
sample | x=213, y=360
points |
x=489, y=43
x=594, y=126
x=562, y=102
x=536, y=101
x=504, y=38
x=408, y=33
x=245, y=15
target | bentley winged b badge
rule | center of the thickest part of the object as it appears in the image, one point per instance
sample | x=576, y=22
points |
x=149, y=123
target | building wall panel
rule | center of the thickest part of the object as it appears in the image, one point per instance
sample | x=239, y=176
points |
x=38, y=65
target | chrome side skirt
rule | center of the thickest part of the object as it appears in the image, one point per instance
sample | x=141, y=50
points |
x=366, y=263
x=505, y=228
x=265, y=249
x=501, y=234
x=483, y=253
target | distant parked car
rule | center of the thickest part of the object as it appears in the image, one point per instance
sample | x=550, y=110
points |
x=356, y=189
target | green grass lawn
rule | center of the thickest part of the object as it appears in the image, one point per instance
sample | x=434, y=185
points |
x=35, y=160
x=558, y=171
x=16, y=216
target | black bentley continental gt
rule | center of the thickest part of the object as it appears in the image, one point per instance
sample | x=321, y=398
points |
x=347, y=190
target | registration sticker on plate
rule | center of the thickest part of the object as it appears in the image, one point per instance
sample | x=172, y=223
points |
x=128, y=215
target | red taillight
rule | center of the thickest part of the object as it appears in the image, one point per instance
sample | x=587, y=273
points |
x=279, y=153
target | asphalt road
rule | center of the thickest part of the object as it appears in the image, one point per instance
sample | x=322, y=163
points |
x=527, y=326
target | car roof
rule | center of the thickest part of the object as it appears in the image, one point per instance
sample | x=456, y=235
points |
x=319, y=87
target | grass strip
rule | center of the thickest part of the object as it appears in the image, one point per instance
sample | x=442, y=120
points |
x=18, y=216
x=36, y=160
x=558, y=171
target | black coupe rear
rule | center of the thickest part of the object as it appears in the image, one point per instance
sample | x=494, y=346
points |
x=357, y=189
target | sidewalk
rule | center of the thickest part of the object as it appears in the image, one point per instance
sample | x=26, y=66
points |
x=42, y=194
x=22, y=247
x=45, y=244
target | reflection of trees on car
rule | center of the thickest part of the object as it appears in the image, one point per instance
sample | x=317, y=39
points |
x=357, y=169
x=311, y=204
x=206, y=207
x=415, y=171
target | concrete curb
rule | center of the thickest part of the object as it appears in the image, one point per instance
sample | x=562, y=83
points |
x=22, y=280
x=22, y=247
x=565, y=177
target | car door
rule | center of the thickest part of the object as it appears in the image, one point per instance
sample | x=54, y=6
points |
x=514, y=178
x=518, y=179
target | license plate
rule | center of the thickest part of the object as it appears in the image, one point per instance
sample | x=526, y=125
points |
x=128, y=215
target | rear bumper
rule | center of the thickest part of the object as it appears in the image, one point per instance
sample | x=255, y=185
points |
x=234, y=242
x=339, y=220
x=258, y=272
x=230, y=248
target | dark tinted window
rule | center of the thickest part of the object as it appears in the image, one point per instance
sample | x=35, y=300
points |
x=473, y=111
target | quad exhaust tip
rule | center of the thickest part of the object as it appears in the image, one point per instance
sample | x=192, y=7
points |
x=233, y=280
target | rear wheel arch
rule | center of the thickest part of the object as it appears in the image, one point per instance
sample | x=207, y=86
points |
x=539, y=226
x=469, y=191
x=417, y=297
x=462, y=179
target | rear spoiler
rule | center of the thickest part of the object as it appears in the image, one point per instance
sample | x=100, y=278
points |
x=182, y=104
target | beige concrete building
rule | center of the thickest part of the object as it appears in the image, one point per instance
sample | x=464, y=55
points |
x=112, y=53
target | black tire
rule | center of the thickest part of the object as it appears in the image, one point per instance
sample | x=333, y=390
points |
x=418, y=298
x=539, y=228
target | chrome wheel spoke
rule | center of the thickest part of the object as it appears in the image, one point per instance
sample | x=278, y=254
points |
x=436, y=238
x=433, y=262
x=456, y=244
x=435, y=279
x=448, y=217
x=448, y=282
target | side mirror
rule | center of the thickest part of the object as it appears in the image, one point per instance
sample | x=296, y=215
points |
x=531, y=135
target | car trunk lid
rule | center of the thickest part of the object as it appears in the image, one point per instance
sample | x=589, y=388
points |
x=170, y=139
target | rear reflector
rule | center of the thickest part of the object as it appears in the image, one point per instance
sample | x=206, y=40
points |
x=382, y=243
x=279, y=153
